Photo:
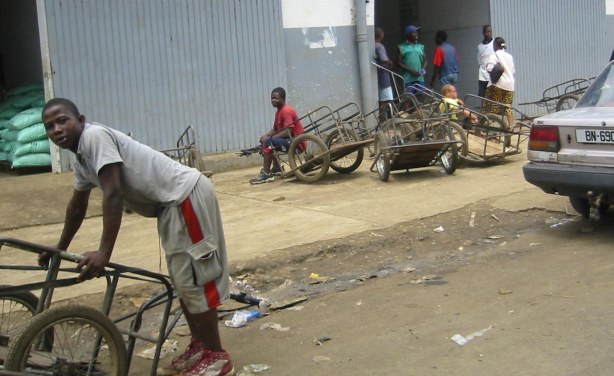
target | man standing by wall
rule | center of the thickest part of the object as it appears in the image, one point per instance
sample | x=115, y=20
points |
x=485, y=49
x=384, y=79
x=412, y=59
x=445, y=61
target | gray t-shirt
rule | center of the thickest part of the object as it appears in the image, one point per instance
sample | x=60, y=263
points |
x=149, y=179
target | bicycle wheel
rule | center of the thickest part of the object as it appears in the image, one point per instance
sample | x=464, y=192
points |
x=382, y=163
x=15, y=311
x=460, y=135
x=449, y=158
x=351, y=161
x=85, y=342
x=311, y=164
x=567, y=101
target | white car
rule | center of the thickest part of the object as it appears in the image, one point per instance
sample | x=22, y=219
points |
x=571, y=152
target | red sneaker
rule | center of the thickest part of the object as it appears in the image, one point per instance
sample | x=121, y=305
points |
x=192, y=355
x=212, y=364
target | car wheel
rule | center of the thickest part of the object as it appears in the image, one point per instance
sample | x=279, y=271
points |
x=581, y=205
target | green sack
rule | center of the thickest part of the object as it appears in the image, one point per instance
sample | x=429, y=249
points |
x=10, y=135
x=3, y=156
x=26, y=118
x=22, y=102
x=8, y=113
x=34, y=147
x=32, y=160
x=32, y=133
x=12, y=145
x=23, y=89
x=39, y=101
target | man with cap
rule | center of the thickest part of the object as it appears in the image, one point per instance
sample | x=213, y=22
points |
x=412, y=59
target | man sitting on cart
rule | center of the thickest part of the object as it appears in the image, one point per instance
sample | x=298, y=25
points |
x=285, y=127
x=153, y=185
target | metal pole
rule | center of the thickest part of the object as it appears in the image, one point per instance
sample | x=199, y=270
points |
x=364, y=56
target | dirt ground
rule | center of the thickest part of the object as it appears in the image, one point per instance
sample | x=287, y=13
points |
x=530, y=283
x=389, y=301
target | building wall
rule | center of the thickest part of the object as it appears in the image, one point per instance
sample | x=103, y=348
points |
x=154, y=67
x=322, y=54
x=609, y=28
x=552, y=41
x=19, y=46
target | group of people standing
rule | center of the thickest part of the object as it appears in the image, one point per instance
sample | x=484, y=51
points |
x=412, y=64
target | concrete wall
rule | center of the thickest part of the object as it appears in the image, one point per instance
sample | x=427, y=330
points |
x=154, y=67
x=322, y=55
x=19, y=43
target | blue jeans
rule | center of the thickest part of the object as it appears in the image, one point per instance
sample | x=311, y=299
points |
x=277, y=142
x=449, y=79
x=410, y=87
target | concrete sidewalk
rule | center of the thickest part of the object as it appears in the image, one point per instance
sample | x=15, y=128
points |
x=266, y=219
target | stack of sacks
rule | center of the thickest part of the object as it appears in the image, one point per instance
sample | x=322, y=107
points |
x=23, y=140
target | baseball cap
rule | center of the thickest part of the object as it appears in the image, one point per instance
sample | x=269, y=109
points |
x=411, y=29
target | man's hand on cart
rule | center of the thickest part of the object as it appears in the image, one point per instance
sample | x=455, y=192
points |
x=92, y=265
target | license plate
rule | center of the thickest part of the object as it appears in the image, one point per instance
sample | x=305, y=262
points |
x=595, y=136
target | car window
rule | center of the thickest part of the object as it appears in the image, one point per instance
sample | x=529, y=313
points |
x=601, y=91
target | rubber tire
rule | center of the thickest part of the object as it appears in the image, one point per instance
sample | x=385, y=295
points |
x=26, y=300
x=565, y=99
x=581, y=205
x=492, y=118
x=359, y=153
x=294, y=158
x=19, y=349
x=457, y=130
x=382, y=164
x=451, y=161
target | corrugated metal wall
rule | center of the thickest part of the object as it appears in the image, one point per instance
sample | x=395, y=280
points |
x=152, y=67
x=554, y=41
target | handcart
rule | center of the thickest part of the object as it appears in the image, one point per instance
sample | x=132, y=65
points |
x=331, y=138
x=562, y=96
x=403, y=143
x=186, y=151
x=75, y=339
x=490, y=138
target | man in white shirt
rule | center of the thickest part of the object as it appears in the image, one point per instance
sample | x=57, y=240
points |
x=485, y=49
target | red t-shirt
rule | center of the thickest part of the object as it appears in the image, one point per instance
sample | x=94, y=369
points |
x=439, y=57
x=286, y=116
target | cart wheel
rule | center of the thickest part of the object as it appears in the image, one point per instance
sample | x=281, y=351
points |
x=312, y=164
x=495, y=121
x=449, y=159
x=80, y=334
x=349, y=162
x=383, y=156
x=460, y=135
x=15, y=311
x=567, y=101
